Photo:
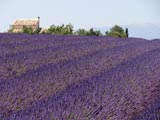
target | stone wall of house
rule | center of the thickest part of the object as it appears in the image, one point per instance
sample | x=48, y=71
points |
x=19, y=28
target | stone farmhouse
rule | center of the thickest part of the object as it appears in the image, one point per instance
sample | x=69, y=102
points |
x=30, y=23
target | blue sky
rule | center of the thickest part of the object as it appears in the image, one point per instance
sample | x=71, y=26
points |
x=81, y=13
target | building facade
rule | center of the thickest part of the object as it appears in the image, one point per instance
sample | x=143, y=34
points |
x=20, y=24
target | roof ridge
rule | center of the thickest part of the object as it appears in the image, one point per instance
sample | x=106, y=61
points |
x=26, y=22
x=27, y=19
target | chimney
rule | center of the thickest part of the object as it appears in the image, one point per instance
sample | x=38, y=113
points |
x=38, y=22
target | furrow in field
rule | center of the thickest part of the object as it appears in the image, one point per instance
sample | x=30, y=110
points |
x=16, y=64
x=50, y=79
x=112, y=94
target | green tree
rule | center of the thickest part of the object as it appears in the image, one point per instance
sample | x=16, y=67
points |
x=94, y=32
x=116, y=31
x=69, y=29
x=98, y=33
x=90, y=32
x=81, y=32
x=126, y=31
x=117, y=28
x=11, y=29
x=61, y=29
x=106, y=33
x=27, y=30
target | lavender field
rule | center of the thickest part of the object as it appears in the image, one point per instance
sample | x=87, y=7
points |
x=51, y=77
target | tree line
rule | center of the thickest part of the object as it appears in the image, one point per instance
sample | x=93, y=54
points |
x=115, y=31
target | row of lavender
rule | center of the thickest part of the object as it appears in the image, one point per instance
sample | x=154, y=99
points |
x=69, y=77
x=19, y=55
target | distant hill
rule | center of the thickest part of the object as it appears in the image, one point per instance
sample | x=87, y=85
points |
x=147, y=31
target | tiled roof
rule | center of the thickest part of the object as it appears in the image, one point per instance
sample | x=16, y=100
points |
x=25, y=22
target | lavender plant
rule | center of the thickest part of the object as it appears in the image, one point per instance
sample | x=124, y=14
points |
x=48, y=77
